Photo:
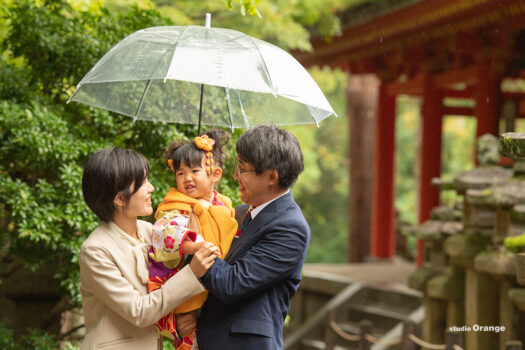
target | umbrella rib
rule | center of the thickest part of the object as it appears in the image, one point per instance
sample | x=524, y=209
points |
x=74, y=94
x=175, y=49
x=227, y=96
x=146, y=89
x=142, y=99
x=264, y=65
x=246, y=122
x=236, y=38
x=163, y=43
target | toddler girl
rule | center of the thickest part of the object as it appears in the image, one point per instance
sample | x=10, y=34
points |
x=189, y=215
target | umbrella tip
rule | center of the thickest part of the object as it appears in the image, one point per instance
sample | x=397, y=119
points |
x=207, y=22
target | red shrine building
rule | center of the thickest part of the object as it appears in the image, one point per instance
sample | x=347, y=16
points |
x=432, y=49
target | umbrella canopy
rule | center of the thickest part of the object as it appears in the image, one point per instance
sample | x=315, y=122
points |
x=158, y=74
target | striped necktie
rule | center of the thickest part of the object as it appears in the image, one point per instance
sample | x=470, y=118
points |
x=247, y=219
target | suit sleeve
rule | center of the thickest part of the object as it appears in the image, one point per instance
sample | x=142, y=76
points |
x=270, y=260
x=101, y=274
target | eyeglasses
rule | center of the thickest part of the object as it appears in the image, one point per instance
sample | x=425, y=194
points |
x=242, y=171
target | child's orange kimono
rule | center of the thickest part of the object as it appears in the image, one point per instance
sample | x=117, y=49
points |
x=216, y=224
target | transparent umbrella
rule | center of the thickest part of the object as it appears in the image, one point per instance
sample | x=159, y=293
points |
x=165, y=73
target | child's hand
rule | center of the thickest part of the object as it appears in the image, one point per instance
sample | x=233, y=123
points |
x=190, y=248
x=203, y=259
x=185, y=323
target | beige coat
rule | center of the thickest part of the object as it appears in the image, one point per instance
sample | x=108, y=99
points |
x=118, y=311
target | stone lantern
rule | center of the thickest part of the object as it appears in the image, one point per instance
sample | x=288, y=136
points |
x=479, y=217
x=430, y=232
x=499, y=263
x=443, y=293
x=513, y=145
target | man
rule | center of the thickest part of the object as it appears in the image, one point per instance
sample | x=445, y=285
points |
x=250, y=290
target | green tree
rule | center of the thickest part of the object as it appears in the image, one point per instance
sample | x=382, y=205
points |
x=45, y=142
x=47, y=46
x=285, y=23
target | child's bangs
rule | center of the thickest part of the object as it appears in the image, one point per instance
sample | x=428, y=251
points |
x=191, y=155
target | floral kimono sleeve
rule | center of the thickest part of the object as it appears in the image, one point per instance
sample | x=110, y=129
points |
x=169, y=231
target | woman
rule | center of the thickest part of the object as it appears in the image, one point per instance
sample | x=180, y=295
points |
x=118, y=311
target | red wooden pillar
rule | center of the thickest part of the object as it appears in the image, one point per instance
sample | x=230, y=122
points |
x=487, y=95
x=430, y=154
x=382, y=232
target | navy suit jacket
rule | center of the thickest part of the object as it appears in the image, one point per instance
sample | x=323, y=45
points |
x=250, y=290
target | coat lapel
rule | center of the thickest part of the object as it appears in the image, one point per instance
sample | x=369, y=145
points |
x=253, y=231
x=240, y=212
x=124, y=258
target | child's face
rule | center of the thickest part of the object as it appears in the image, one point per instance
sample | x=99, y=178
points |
x=195, y=182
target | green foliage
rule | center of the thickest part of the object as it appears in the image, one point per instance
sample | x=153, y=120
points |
x=459, y=135
x=34, y=340
x=246, y=6
x=39, y=340
x=284, y=23
x=7, y=341
x=515, y=244
x=45, y=142
x=407, y=121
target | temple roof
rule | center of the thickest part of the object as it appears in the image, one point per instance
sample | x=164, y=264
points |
x=362, y=11
x=422, y=36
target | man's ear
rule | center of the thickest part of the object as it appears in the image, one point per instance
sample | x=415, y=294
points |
x=216, y=174
x=119, y=201
x=273, y=177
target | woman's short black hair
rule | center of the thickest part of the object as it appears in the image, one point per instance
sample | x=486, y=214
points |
x=192, y=156
x=268, y=147
x=109, y=172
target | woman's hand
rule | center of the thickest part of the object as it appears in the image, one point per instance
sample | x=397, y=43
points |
x=185, y=323
x=203, y=259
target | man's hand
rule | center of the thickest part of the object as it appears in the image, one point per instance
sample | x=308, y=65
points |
x=203, y=259
x=185, y=323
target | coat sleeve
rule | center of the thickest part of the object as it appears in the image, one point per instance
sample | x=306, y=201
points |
x=100, y=273
x=270, y=260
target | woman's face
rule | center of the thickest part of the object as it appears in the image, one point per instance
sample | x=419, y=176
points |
x=140, y=202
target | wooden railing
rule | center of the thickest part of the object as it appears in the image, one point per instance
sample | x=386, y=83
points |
x=327, y=302
x=320, y=317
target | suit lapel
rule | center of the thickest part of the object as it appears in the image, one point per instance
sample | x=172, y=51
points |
x=240, y=212
x=253, y=231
